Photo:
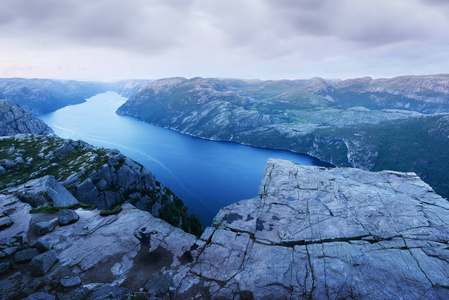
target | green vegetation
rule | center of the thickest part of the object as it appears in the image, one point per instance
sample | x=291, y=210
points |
x=52, y=209
x=108, y=212
x=176, y=213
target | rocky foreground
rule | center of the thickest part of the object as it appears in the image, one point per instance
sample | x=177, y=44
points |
x=311, y=233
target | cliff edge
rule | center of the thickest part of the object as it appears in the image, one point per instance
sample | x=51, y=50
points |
x=15, y=120
x=310, y=233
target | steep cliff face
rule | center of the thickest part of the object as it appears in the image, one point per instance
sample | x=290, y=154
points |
x=311, y=233
x=15, y=120
x=95, y=176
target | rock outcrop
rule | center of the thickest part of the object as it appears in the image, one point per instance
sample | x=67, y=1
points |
x=310, y=233
x=15, y=120
x=53, y=172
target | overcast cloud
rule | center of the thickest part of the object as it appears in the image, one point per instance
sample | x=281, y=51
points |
x=268, y=39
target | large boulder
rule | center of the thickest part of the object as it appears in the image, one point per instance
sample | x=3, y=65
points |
x=43, y=191
x=41, y=245
x=70, y=282
x=44, y=227
x=25, y=255
x=67, y=216
x=41, y=263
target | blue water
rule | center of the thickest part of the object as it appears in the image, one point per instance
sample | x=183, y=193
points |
x=206, y=175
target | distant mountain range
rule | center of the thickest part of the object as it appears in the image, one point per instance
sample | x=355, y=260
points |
x=373, y=124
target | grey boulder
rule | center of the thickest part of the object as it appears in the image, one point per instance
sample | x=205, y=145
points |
x=44, y=190
x=67, y=216
x=42, y=263
x=44, y=227
x=70, y=282
x=25, y=255
x=41, y=245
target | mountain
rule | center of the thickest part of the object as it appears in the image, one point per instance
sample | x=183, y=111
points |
x=345, y=122
x=40, y=96
x=14, y=120
x=311, y=233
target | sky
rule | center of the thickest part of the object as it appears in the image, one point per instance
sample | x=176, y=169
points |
x=254, y=39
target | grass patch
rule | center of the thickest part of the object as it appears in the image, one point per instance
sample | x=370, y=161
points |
x=108, y=212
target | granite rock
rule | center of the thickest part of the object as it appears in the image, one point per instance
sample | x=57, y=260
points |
x=42, y=263
x=43, y=191
x=67, y=216
x=44, y=227
x=25, y=255
x=14, y=120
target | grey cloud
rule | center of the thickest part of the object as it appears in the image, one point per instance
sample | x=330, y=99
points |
x=139, y=25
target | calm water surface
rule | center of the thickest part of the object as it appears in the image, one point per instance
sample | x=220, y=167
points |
x=206, y=175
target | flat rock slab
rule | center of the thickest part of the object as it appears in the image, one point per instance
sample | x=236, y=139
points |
x=5, y=222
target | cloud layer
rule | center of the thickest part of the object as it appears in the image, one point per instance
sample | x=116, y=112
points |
x=227, y=38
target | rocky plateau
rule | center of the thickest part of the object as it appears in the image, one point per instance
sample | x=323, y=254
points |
x=312, y=232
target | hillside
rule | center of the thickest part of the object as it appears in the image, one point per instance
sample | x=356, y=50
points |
x=345, y=122
x=40, y=96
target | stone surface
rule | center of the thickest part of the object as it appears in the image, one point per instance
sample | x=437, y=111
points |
x=14, y=120
x=40, y=296
x=25, y=255
x=41, y=245
x=319, y=233
x=19, y=213
x=5, y=222
x=67, y=216
x=311, y=233
x=4, y=266
x=44, y=190
x=109, y=291
x=44, y=227
x=70, y=282
x=158, y=286
x=42, y=263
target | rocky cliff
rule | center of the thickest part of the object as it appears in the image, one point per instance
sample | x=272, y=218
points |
x=310, y=233
x=346, y=123
x=15, y=120
x=100, y=177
